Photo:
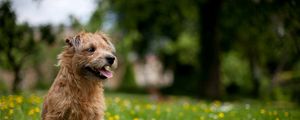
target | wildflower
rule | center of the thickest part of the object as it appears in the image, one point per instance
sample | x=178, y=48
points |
x=221, y=115
x=117, y=117
x=31, y=112
x=35, y=99
x=207, y=110
x=148, y=106
x=110, y=118
x=262, y=111
x=217, y=103
x=19, y=99
x=186, y=105
x=137, y=107
x=11, y=104
x=126, y=103
x=168, y=110
x=158, y=112
x=11, y=111
x=3, y=106
x=277, y=118
x=37, y=110
x=226, y=107
x=135, y=118
x=117, y=100
x=286, y=114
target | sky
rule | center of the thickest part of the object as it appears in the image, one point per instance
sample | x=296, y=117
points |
x=37, y=12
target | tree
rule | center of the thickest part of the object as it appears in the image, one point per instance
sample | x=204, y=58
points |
x=155, y=24
x=210, y=48
x=17, y=43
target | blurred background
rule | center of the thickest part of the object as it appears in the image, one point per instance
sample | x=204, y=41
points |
x=212, y=49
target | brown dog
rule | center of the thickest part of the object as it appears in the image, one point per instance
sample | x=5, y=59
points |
x=77, y=92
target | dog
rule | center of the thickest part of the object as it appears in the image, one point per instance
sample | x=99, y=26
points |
x=77, y=91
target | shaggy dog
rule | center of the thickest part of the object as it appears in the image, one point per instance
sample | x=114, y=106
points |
x=77, y=92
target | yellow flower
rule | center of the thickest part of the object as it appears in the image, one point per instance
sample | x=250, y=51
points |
x=277, y=119
x=262, y=111
x=11, y=104
x=168, y=110
x=37, y=109
x=3, y=106
x=117, y=117
x=207, y=110
x=135, y=118
x=35, y=99
x=19, y=99
x=11, y=111
x=148, y=106
x=158, y=112
x=221, y=115
x=111, y=118
x=31, y=112
x=286, y=114
x=117, y=100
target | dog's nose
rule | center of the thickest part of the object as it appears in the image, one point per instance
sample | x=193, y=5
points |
x=110, y=59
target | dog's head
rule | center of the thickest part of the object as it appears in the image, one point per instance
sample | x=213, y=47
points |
x=93, y=55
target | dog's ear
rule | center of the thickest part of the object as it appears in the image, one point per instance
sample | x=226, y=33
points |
x=73, y=41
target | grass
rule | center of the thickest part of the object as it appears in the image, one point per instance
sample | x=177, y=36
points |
x=140, y=107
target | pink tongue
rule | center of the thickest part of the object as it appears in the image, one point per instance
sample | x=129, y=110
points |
x=106, y=73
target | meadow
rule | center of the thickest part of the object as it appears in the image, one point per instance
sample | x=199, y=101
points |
x=140, y=107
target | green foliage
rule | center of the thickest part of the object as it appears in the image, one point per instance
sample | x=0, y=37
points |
x=47, y=34
x=3, y=88
x=152, y=20
x=235, y=70
x=17, y=41
x=97, y=18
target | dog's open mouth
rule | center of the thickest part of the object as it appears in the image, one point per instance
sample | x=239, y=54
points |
x=102, y=72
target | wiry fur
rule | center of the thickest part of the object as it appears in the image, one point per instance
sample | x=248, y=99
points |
x=75, y=94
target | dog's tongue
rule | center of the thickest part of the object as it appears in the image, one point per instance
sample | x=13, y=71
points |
x=106, y=73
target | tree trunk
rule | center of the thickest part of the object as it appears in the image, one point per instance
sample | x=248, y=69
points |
x=17, y=80
x=210, y=56
x=254, y=75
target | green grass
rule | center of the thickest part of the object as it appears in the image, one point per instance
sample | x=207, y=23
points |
x=140, y=107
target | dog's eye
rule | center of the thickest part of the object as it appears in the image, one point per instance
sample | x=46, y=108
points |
x=91, y=49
